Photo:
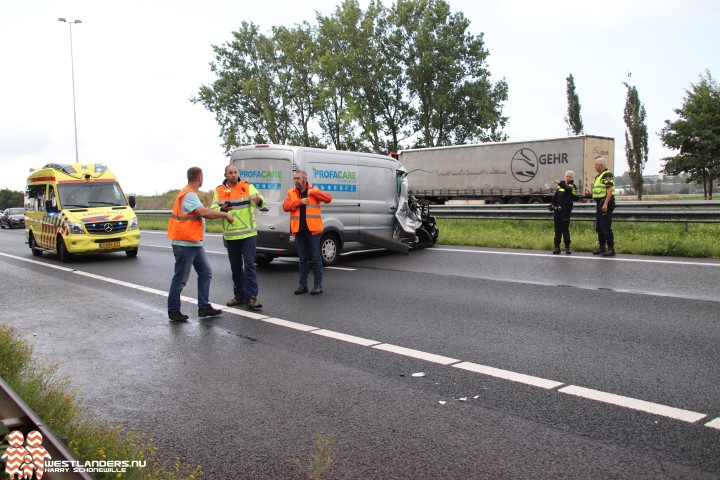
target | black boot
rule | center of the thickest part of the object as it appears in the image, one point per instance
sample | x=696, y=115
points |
x=556, y=250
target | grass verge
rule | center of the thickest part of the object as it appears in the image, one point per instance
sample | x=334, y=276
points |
x=50, y=397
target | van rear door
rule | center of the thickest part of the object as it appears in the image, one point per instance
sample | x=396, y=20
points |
x=377, y=183
x=270, y=171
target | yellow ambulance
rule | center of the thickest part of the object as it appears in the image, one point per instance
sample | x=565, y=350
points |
x=78, y=209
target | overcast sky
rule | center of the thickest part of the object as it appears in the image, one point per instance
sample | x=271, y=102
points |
x=137, y=63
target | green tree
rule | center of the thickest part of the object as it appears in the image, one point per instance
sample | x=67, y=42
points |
x=696, y=134
x=456, y=102
x=295, y=63
x=250, y=97
x=11, y=198
x=336, y=120
x=636, y=138
x=368, y=50
x=573, y=117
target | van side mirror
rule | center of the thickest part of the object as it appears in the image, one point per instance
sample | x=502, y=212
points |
x=131, y=201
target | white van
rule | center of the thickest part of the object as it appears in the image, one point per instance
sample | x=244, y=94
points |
x=366, y=191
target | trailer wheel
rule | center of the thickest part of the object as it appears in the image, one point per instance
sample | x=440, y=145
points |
x=515, y=200
x=493, y=201
x=329, y=248
x=535, y=200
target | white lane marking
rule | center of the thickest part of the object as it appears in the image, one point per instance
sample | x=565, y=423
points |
x=36, y=262
x=287, y=323
x=243, y=313
x=346, y=269
x=580, y=257
x=345, y=337
x=617, y=400
x=168, y=247
x=525, y=254
x=408, y=352
x=633, y=403
x=508, y=375
x=714, y=423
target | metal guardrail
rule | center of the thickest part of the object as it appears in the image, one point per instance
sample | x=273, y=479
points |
x=665, y=211
x=700, y=211
x=15, y=414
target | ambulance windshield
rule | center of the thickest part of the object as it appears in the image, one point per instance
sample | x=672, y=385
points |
x=91, y=194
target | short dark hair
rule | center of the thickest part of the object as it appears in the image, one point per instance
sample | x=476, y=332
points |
x=193, y=173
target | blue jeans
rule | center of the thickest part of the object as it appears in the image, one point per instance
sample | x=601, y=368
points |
x=309, y=248
x=242, y=265
x=186, y=257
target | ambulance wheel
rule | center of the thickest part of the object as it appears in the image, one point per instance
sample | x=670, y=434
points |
x=132, y=253
x=62, y=251
x=33, y=247
x=329, y=248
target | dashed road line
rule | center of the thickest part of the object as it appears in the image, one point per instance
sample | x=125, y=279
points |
x=345, y=337
x=714, y=423
x=582, y=392
x=409, y=352
x=633, y=403
x=508, y=375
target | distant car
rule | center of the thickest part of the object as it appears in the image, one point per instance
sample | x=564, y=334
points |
x=13, y=218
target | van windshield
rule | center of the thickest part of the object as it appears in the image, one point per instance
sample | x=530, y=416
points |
x=91, y=194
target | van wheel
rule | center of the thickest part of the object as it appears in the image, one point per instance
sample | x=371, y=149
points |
x=132, y=253
x=263, y=259
x=62, y=251
x=33, y=247
x=329, y=248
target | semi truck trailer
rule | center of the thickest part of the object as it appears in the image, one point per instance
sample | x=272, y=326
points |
x=504, y=172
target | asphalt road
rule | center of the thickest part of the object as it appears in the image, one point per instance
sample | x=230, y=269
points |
x=533, y=365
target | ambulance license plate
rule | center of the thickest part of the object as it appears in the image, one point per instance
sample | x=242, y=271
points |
x=109, y=245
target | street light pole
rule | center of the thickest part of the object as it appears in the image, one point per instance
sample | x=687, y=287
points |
x=72, y=69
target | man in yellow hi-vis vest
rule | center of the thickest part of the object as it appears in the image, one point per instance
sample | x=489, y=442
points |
x=240, y=199
x=602, y=193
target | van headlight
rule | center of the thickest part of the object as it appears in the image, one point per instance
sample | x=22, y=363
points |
x=133, y=224
x=75, y=228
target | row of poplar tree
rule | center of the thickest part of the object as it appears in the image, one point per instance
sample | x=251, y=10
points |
x=695, y=133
